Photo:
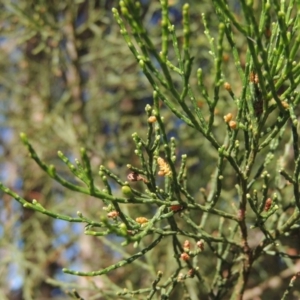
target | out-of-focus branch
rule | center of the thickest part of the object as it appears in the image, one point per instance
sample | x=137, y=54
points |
x=272, y=283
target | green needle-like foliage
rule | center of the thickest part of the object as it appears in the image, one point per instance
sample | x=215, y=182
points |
x=204, y=212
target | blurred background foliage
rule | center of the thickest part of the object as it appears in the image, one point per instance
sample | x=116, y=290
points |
x=68, y=80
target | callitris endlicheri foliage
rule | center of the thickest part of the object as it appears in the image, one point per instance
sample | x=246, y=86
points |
x=204, y=237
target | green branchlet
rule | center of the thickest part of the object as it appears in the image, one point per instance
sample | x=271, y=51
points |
x=236, y=198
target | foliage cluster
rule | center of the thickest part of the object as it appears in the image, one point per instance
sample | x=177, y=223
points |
x=202, y=201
